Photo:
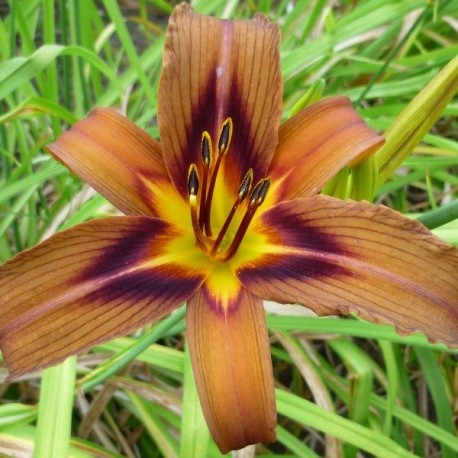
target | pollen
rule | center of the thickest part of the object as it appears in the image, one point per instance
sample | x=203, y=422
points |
x=223, y=245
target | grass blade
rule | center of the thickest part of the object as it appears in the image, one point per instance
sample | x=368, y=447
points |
x=54, y=412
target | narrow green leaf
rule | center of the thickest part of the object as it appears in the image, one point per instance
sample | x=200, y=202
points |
x=418, y=423
x=345, y=326
x=438, y=390
x=124, y=36
x=146, y=413
x=360, y=376
x=115, y=363
x=311, y=95
x=18, y=71
x=364, y=179
x=55, y=410
x=440, y=216
x=195, y=436
x=158, y=356
x=393, y=383
x=15, y=414
x=15, y=209
x=51, y=170
x=38, y=105
x=18, y=441
x=293, y=444
x=415, y=121
x=348, y=431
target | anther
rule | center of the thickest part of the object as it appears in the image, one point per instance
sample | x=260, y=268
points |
x=245, y=186
x=225, y=136
x=193, y=181
x=259, y=193
x=262, y=193
x=206, y=149
x=255, y=193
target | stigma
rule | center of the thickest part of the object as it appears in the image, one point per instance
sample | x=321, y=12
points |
x=200, y=193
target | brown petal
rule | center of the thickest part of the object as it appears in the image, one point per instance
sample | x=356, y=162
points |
x=215, y=69
x=116, y=158
x=340, y=257
x=315, y=144
x=89, y=284
x=230, y=356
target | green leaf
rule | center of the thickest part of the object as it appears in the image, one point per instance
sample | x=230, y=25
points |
x=38, y=105
x=437, y=387
x=415, y=121
x=155, y=426
x=115, y=363
x=345, y=326
x=366, y=439
x=195, y=436
x=55, y=410
x=15, y=414
x=18, y=71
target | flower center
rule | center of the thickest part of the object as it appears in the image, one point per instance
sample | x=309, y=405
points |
x=201, y=190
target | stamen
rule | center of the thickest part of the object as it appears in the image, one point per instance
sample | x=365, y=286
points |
x=201, y=196
x=223, y=147
x=257, y=197
x=193, y=189
x=244, y=189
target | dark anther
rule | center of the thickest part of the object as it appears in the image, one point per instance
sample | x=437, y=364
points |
x=255, y=193
x=245, y=186
x=259, y=193
x=225, y=137
x=263, y=191
x=193, y=181
x=206, y=149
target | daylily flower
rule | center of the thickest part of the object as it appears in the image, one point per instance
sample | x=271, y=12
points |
x=222, y=214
